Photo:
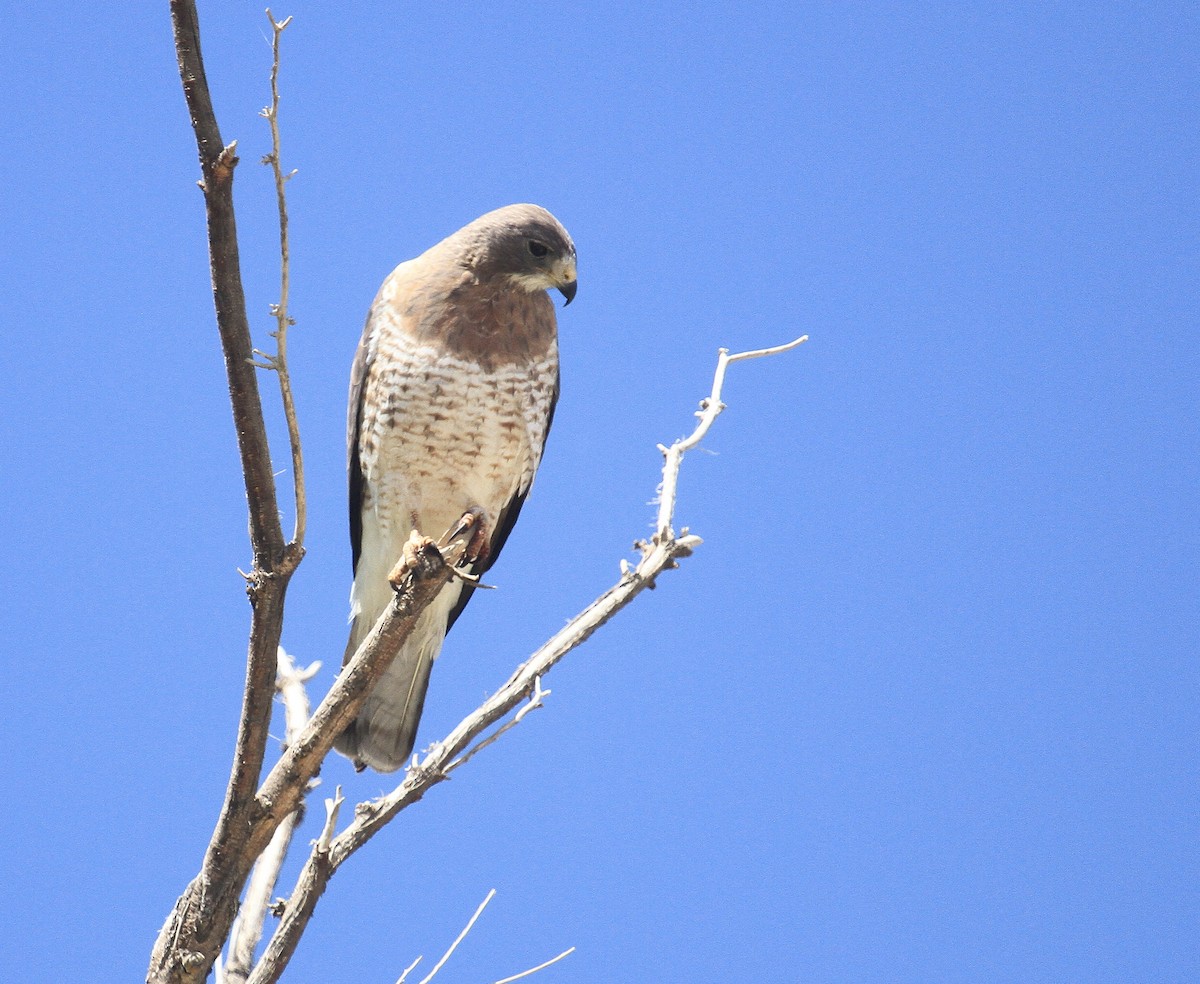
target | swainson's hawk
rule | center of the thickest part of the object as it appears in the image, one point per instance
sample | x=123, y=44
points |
x=451, y=396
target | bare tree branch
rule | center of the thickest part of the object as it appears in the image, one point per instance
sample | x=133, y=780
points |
x=710, y=409
x=181, y=953
x=281, y=792
x=431, y=569
x=200, y=920
x=461, y=936
x=660, y=554
x=534, y=702
x=248, y=927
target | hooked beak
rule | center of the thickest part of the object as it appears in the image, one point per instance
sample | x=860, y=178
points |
x=564, y=277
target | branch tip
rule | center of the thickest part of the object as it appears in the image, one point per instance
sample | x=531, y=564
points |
x=408, y=970
x=542, y=966
x=461, y=936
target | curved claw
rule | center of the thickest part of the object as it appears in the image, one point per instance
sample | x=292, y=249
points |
x=474, y=521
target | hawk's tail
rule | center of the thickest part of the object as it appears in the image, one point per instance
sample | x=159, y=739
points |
x=385, y=731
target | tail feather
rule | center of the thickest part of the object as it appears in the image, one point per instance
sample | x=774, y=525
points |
x=385, y=731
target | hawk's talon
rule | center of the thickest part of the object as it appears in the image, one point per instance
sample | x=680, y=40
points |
x=475, y=521
x=472, y=579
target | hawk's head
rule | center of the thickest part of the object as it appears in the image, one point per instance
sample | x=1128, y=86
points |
x=523, y=244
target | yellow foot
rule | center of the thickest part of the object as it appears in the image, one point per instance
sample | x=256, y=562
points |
x=410, y=557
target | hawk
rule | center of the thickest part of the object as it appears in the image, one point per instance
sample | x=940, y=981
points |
x=452, y=393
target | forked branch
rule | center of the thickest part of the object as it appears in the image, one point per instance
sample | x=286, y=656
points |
x=200, y=921
x=197, y=927
x=247, y=929
x=710, y=408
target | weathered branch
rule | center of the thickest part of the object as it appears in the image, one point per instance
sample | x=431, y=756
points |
x=217, y=163
x=248, y=927
x=197, y=927
x=660, y=554
x=200, y=920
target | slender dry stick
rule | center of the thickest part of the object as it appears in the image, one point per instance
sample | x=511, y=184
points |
x=542, y=966
x=534, y=702
x=408, y=970
x=658, y=555
x=461, y=936
x=248, y=927
x=278, y=361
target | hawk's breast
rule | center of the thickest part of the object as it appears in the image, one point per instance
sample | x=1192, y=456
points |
x=442, y=434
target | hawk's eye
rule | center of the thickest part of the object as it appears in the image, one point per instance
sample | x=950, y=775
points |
x=538, y=249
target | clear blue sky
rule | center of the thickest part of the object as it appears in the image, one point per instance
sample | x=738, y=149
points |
x=922, y=708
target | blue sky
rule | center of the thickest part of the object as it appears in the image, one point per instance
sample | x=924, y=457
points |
x=922, y=708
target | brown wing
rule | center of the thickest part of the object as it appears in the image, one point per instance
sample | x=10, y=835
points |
x=358, y=376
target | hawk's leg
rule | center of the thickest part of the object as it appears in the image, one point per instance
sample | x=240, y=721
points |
x=475, y=523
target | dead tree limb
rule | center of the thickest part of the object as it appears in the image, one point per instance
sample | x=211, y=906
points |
x=199, y=924
x=248, y=927
x=200, y=920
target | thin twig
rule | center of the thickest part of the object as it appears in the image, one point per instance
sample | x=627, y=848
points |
x=408, y=970
x=332, y=806
x=534, y=702
x=461, y=936
x=660, y=555
x=542, y=966
x=278, y=361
